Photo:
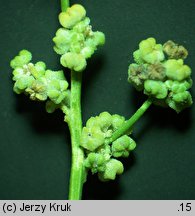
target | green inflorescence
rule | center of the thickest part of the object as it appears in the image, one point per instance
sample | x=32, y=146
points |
x=75, y=41
x=159, y=71
x=100, y=154
x=40, y=83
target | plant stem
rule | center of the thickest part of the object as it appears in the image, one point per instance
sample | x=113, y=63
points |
x=129, y=123
x=75, y=124
x=77, y=174
x=64, y=5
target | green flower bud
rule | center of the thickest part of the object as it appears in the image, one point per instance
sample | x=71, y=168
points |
x=22, y=83
x=105, y=150
x=75, y=47
x=23, y=58
x=55, y=75
x=179, y=101
x=182, y=97
x=151, y=52
x=56, y=90
x=18, y=73
x=77, y=42
x=83, y=27
x=93, y=121
x=50, y=106
x=92, y=138
x=137, y=57
x=37, y=91
x=169, y=84
x=105, y=121
x=40, y=66
x=176, y=86
x=73, y=61
x=122, y=146
x=156, y=89
x=113, y=168
x=62, y=40
x=66, y=100
x=98, y=38
x=117, y=121
x=72, y=16
x=64, y=105
x=37, y=70
x=96, y=162
x=17, y=90
x=87, y=52
x=175, y=70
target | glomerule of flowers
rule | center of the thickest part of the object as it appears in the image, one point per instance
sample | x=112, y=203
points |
x=159, y=71
x=76, y=41
x=102, y=157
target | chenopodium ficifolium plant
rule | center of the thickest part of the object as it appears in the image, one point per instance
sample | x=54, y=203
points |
x=159, y=71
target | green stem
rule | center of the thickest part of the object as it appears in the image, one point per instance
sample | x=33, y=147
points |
x=129, y=123
x=75, y=124
x=64, y=5
x=77, y=174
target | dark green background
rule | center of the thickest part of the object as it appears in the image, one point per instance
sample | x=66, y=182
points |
x=35, y=147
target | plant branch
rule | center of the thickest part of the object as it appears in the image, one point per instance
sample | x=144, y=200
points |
x=129, y=123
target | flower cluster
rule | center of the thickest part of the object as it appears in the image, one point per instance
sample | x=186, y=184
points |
x=38, y=82
x=100, y=154
x=159, y=71
x=76, y=41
